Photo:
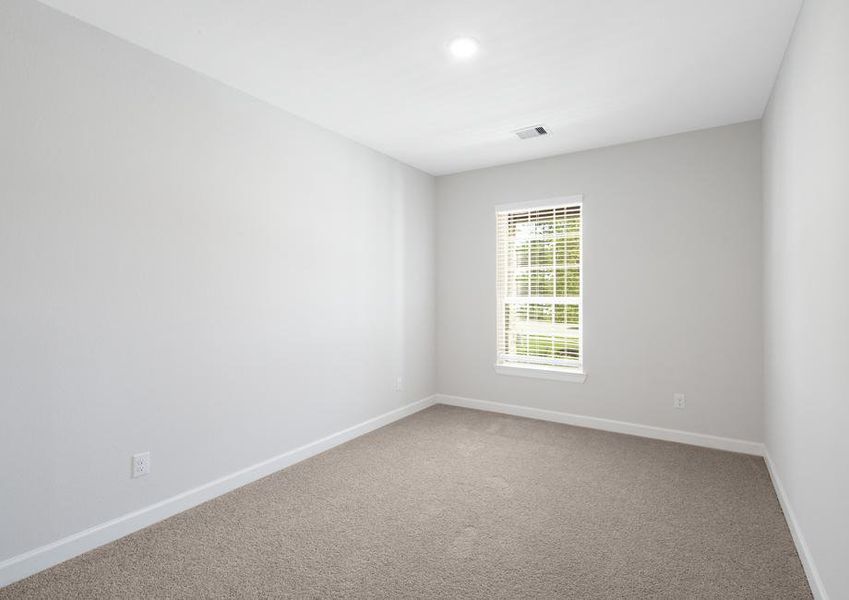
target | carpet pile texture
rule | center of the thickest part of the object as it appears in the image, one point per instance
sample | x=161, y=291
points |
x=456, y=503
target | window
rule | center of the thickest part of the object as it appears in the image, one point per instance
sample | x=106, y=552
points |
x=539, y=287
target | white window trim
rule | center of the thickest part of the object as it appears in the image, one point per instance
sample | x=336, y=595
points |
x=574, y=373
x=540, y=204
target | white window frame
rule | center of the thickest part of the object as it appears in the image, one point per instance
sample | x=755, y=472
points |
x=572, y=373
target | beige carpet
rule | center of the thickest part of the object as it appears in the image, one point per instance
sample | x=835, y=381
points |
x=454, y=503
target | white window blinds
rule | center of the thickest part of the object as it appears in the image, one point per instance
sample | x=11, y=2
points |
x=539, y=286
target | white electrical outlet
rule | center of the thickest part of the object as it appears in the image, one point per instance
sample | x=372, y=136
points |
x=399, y=384
x=141, y=464
x=679, y=400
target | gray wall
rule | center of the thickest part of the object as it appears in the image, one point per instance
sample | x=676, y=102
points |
x=189, y=271
x=806, y=191
x=672, y=281
x=184, y=270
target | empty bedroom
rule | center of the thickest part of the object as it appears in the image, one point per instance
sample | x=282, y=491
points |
x=354, y=299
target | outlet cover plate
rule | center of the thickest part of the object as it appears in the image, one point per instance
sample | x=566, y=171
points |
x=141, y=464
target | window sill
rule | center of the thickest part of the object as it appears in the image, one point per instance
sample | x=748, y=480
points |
x=558, y=374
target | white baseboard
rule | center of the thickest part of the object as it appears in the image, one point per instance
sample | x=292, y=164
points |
x=671, y=435
x=648, y=431
x=38, y=559
x=814, y=580
x=43, y=557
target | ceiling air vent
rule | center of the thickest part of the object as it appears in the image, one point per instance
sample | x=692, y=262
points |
x=531, y=132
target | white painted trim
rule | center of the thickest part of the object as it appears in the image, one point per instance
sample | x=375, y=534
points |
x=43, y=557
x=671, y=435
x=814, y=580
x=540, y=204
x=541, y=372
x=647, y=431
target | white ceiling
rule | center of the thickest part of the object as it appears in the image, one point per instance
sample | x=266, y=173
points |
x=594, y=72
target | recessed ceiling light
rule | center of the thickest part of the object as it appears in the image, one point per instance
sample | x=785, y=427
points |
x=463, y=48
